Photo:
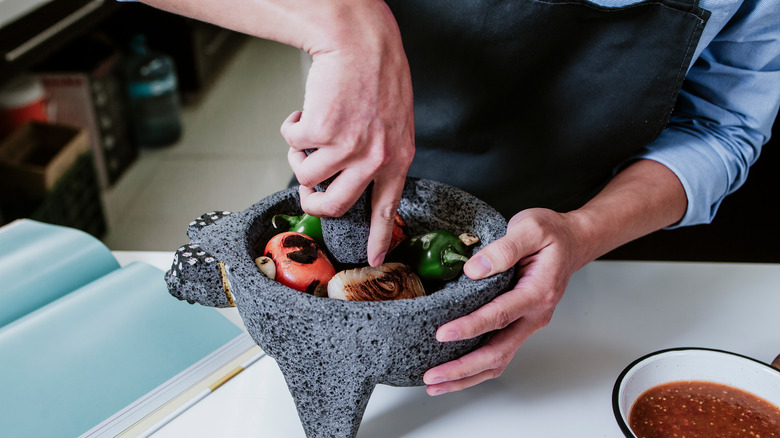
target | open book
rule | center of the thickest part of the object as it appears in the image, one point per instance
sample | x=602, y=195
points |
x=91, y=348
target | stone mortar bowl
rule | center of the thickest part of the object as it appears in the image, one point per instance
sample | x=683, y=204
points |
x=332, y=352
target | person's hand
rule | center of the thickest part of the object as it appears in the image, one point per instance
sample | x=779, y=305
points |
x=358, y=115
x=546, y=247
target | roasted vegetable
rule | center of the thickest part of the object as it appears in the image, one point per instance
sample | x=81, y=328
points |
x=266, y=266
x=434, y=256
x=390, y=281
x=300, y=263
x=400, y=232
x=305, y=223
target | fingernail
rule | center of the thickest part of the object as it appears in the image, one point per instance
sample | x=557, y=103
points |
x=379, y=259
x=479, y=266
x=436, y=380
x=448, y=336
x=435, y=392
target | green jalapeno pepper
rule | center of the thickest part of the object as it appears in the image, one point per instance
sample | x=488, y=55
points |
x=305, y=223
x=437, y=256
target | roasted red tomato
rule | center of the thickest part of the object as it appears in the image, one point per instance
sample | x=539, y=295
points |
x=400, y=232
x=300, y=263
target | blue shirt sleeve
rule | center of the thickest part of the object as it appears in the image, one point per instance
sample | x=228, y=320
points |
x=725, y=111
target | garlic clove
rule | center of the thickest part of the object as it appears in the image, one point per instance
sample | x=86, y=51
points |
x=266, y=266
x=469, y=239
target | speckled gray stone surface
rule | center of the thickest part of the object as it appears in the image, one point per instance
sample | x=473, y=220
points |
x=348, y=234
x=333, y=352
x=195, y=275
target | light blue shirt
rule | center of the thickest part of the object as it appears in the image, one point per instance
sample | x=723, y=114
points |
x=727, y=105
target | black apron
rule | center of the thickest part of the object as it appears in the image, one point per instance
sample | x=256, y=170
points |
x=528, y=103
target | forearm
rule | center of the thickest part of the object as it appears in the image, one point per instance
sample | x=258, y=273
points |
x=642, y=198
x=725, y=110
x=311, y=25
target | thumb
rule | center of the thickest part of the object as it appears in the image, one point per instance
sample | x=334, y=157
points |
x=498, y=256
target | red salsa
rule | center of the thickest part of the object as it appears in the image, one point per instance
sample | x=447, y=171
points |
x=695, y=409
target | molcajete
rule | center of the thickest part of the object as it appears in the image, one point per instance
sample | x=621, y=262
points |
x=333, y=352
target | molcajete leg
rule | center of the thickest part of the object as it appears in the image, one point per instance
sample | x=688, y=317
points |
x=330, y=402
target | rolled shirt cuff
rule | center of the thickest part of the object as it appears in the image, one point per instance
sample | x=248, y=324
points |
x=699, y=167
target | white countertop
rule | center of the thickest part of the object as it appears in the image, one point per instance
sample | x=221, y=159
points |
x=560, y=382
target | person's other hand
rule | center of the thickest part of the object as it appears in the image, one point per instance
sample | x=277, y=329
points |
x=544, y=245
x=358, y=115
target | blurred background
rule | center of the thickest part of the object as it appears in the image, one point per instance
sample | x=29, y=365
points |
x=159, y=155
x=128, y=123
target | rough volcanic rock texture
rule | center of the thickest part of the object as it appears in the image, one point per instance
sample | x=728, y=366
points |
x=333, y=352
x=348, y=234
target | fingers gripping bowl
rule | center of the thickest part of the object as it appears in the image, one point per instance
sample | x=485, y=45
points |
x=333, y=352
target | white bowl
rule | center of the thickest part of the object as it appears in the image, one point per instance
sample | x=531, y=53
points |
x=680, y=364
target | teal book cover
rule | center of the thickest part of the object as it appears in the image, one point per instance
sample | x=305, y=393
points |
x=81, y=337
